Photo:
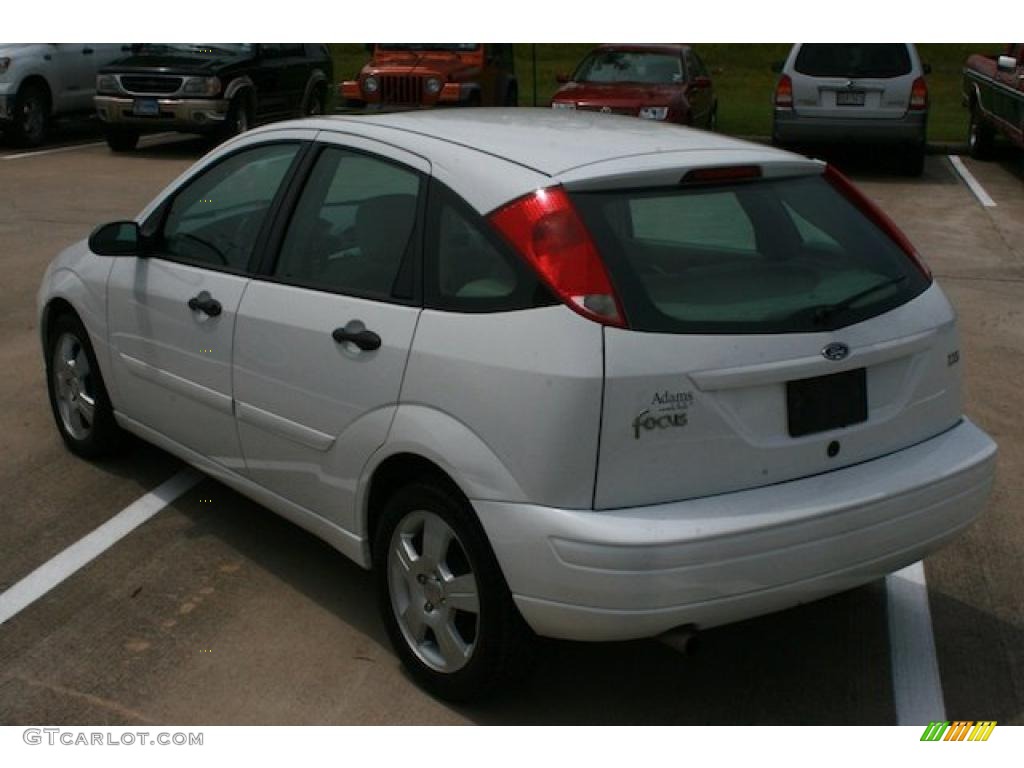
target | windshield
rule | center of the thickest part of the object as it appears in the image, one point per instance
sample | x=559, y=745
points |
x=781, y=256
x=629, y=67
x=853, y=60
x=193, y=49
x=456, y=47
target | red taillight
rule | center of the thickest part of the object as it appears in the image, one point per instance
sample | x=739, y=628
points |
x=545, y=228
x=879, y=217
x=784, y=93
x=721, y=173
x=919, y=94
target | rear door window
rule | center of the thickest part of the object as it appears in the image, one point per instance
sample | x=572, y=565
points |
x=352, y=230
x=880, y=60
x=779, y=256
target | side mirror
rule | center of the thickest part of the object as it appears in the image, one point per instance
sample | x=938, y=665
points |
x=561, y=78
x=777, y=66
x=926, y=68
x=1006, y=63
x=701, y=81
x=119, y=238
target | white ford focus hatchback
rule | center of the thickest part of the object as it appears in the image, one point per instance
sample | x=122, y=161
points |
x=566, y=374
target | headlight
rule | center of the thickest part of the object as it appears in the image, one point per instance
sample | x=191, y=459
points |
x=5, y=62
x=371, y=84
x=106, y=84
x=433, y=85
x=563, y=105
x=654, y=113
x=201, y=86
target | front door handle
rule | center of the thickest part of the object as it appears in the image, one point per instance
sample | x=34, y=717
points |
x=359, y=335
x=204, y=302
x=87, y=51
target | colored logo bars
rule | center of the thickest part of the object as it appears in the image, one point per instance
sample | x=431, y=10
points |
x=960, y=730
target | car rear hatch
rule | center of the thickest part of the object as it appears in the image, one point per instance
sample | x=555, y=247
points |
x=768, y=323
x=852, y=80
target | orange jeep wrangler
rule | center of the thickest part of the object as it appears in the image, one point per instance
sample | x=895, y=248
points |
x=429, y=74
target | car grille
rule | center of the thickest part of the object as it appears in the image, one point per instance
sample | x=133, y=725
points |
x=607, y=111
x=401, y=89
x=150, y=84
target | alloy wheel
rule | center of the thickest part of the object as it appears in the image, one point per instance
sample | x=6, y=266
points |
x=74, y=387
x=434, y=592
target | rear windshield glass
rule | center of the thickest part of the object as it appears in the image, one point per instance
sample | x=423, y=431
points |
x=784, y=256
x=853, y=60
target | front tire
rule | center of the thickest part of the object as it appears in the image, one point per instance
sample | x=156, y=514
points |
x=442, y=596
x=980, y=136
x=78, y=397
x=31, y=116
x=239, y=118
x=122, y=139
x=315, y=104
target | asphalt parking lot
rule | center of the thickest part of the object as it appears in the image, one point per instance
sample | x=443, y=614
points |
x=217, y=611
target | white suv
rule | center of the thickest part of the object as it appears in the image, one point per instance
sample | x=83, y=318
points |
x=43, y=81
x=863, y=93
x=569, y=373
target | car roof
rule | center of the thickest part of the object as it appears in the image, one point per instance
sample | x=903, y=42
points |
x=551, y=142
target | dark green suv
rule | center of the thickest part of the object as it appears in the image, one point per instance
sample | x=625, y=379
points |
x=220, y=89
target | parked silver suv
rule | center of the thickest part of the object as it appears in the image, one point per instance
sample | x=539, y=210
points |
x=42, y=81
x=853, y=92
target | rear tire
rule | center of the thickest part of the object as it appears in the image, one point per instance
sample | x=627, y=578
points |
x=912, y=160
x=980, y=136
x=447, y=609
x=512, y=95
x=31, y=122
x=78, y=397
x=122, y=139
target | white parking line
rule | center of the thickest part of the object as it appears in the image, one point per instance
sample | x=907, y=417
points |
x=55, y=150
x=54, y=571
x=916, y=684
x=972, y=184
x=39, y=153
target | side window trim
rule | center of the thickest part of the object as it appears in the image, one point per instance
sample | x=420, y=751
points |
x=285, y=213
x=155, y=222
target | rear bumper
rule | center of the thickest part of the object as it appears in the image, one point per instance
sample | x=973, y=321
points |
x=630, y=573
x=177, y=114
x=791, y=128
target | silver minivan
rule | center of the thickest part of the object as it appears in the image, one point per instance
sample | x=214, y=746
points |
x=871, y=93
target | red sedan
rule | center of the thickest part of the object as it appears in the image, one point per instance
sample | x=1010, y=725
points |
x=657, y=82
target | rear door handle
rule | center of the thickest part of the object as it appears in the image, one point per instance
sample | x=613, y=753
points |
x=204, y=302
x=87, y=51
x=359, y=335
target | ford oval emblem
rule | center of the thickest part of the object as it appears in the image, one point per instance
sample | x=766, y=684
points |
x=835, y=351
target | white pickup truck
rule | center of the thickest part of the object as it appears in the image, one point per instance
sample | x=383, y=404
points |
x=43, y=81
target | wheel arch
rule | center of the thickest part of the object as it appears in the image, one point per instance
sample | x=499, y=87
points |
x=425, y=443
x=39, y=81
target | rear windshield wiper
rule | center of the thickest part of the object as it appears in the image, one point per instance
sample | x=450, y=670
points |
x=820, y=314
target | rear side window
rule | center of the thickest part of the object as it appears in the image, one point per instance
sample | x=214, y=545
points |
x=782, y=256
x=468, y=267
x=853, y=60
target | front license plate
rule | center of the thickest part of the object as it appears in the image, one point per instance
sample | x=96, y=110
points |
x=827, y=402
x=146, y=108
x=850, y=98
